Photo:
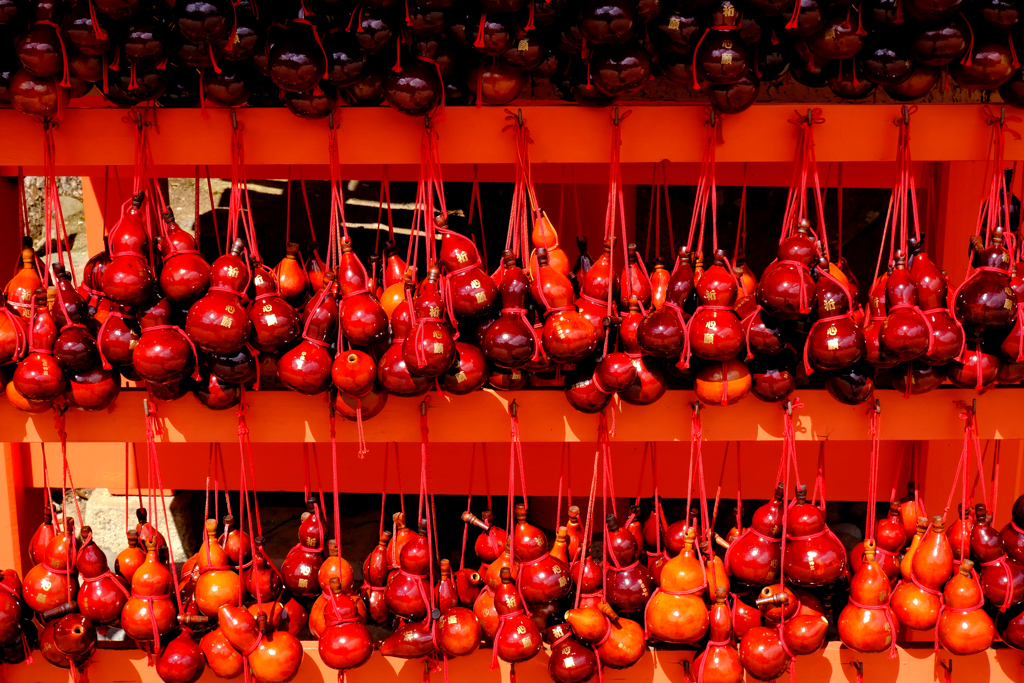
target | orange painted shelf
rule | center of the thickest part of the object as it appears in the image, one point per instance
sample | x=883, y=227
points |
x=89, y=139
x=832, y=663
x=284, y=416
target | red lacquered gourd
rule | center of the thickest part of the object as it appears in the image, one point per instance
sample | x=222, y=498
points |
x=302, y=564
x=529, y=541
x=457, y=632
x=964, y=627
x=407, y=590
x=616, y=371
x=754, y=558
x=715, y=332
x=149, y=613
x=429, y=349
x=974, y=369
x=392, y=370
x=375, y=578
x=128, y=279
x=467, y=288
x=13, y=333
x=676, y=612
x=218, y=585
x=354, y=372
x=959, y=534
x=38, y=377
x=904, y=335
x=985, y=302
x=814, y=556
x=363, y=321
x=263, y=578
x=914, y=606
x=42, y=536
x=1012, y=535
x=722, y=383
x=786, y=289
x=568, y=335
x=719, y=662
x=50, y=583
x=75, y=347
x=185, y=275
x=628, y=583
x=762, y=653
x=163, y=353
x=651, y=382
x=345, y=643
x=411, y=640
x=116, y=339
x=619, y=642
x=544, y=235
x=306, y=368
x=932, y=562
x=865, y=624
x=509, y=341
x=10, y=606
x=571, y=661
x=131, y=558
x=546, y=578
x=584, y=391
x=1001, y=578
x=182, y=660
x=517, y=638
x=595, y=284
x=292, y=279
x=633, y=280
x=103, y=594
x=218, y=322
x=835, y=340
x=486, y=613
x=277, y=657
x=221, y=657
x=21, y=288
x=663, y=330
x=275, y=323
x=468, y=371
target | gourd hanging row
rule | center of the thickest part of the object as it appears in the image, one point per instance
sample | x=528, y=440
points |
x=150, y=310
x=753, y=600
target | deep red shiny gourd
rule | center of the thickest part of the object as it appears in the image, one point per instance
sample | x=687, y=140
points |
x=509, y=341
x=306, y=368
x=128, y=278
x=651, y=381
x=470, y=291
x=362, y=318
x=218, y=322
x=754, y=558
x=429, y=349
x=594, y=285
x=985, y=302
x=903, y=336
x=662, y=332
x=275, y=323
x=786, y=289
x=185, y=275
x=163, y=353
x=715, y=332
x=38, y=377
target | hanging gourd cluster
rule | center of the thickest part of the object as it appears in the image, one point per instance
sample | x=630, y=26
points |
x=151, y=310
x=752, y=601
x=315, y=55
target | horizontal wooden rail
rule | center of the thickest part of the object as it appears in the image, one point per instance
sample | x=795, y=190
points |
x=284, y=416
x=832, y=663
x=87, y=139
